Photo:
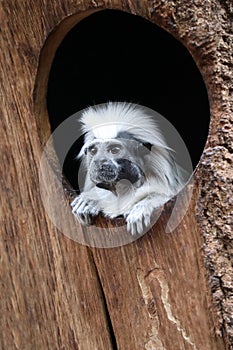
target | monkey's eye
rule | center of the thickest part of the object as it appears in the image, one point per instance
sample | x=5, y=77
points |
x=92, y=150
x=115, y=149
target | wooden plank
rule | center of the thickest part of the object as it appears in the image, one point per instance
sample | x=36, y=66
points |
x=53, y=289
x=156, y=289
x=50, y=293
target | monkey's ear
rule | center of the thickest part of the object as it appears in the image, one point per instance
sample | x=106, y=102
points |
x=129, y=136
x=143, y=149
x=147, y=145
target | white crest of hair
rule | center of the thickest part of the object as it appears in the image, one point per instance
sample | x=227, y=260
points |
x=107, y=120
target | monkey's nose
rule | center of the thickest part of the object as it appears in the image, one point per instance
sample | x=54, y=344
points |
x=107, y=171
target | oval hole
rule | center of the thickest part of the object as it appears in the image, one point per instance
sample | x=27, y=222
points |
x=115, y=56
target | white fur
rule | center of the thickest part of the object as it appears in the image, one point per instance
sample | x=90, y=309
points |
x=106, y=121
x=163, y=179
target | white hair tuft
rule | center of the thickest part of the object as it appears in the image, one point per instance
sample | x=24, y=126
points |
x=106, y=121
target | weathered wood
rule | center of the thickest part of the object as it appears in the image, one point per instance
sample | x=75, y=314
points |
x=157, y=289
x=50, y=293
x=160, y=294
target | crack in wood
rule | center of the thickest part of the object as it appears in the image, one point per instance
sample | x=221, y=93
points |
x=105, y=306
x=154, y=342
x=144, y=283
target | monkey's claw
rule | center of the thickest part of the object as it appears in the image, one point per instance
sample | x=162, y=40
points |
x=84, y=209
x=139, y=218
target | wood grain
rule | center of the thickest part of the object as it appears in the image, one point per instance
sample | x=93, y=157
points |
x=160, y=293
x=50, y=292
x=57, y=294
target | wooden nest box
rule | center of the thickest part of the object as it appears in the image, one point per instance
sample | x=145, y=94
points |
x=168, y=291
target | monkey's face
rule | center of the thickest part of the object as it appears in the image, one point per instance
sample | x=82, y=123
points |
x=114, y=160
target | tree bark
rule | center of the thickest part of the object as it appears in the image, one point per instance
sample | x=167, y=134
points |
x=163, y=291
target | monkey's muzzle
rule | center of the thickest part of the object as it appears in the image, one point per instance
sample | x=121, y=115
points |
x=107, y=174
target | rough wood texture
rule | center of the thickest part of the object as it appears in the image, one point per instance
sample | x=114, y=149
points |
x=156, y=292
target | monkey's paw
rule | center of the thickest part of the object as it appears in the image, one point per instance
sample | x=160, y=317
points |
x=84, y=209
x=139, y=217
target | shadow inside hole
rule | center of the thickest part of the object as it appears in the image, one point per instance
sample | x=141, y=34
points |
x=116, y=56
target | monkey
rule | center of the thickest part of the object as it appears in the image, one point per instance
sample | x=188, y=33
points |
x=129, y=169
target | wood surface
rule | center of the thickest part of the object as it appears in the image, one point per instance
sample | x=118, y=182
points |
x=168, y=291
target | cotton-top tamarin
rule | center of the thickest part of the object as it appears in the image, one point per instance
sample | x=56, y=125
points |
x=129, y=169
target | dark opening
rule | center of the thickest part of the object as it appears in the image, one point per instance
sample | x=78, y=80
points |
x=116, y=56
